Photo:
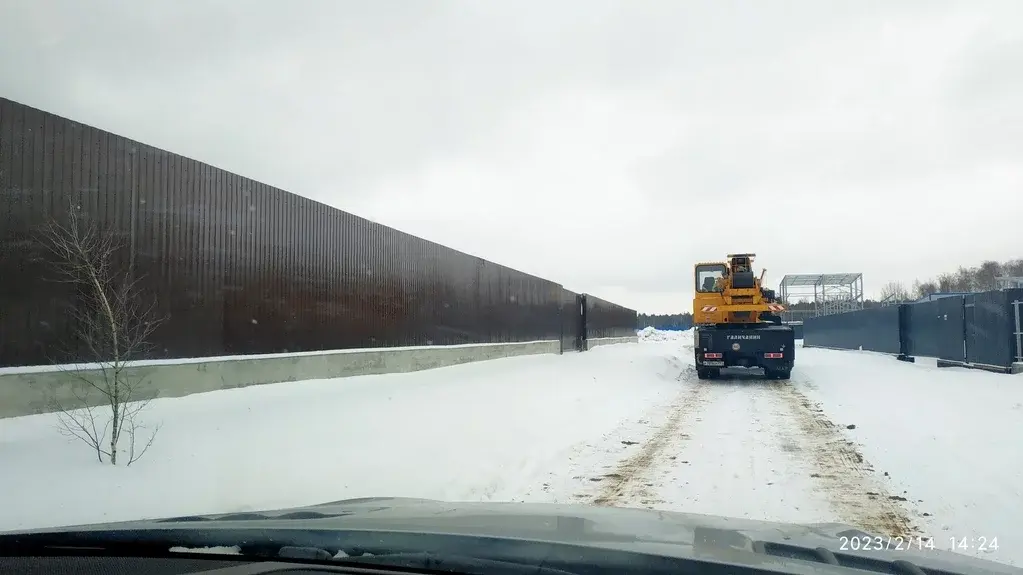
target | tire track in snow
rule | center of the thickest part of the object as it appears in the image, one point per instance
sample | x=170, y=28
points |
x=742, y=460
x=841, y=472
x=628, y=481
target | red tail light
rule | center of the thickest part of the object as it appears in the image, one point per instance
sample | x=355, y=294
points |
x=774, y=355
x=712, y=356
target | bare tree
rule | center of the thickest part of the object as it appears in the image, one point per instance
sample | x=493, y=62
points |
x=985, y=275
x=924, y=289
x=112, y=327
x=978, y=278
x=965, y=280
x=946, y=282
x=1013, y=268
x=894, y=292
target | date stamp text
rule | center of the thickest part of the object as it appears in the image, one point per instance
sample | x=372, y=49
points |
x=866, y=543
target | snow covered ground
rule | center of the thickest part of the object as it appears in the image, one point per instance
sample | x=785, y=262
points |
x=853, y=436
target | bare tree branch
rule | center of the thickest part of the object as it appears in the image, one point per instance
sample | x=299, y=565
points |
x=112, y=327
x=893, y=293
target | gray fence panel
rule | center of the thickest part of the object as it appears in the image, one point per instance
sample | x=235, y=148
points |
x=936, y=329
x=1015, y=300
x=976, y=328
x=990, y=326
x=923, y=328
x=969, y=324
x=797, y=329
x=951, y=334
x=870, y=329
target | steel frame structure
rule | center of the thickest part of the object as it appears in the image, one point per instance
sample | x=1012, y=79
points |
x=830, y=293
x=1008, y=282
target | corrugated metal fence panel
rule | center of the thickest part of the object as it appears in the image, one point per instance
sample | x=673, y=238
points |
x=923, y=329
x=47, y=166
x=989, y=326
x=870, y=329
x=936, y=329
x=1014, y=295
x=951, y=333
x=20, y=199
x=606, y=319
x=570, y=316
x=237, y=266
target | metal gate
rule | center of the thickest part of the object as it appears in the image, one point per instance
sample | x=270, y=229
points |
x=952, y=329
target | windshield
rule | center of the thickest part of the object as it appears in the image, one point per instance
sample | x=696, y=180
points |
x=708, y=277
x=264, y=255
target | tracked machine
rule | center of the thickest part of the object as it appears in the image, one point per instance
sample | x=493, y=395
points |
x=737, y=322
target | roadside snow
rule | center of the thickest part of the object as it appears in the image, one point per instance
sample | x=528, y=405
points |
x=844, y=440
x=462, y=432
x=652, y=334
x=948, y=439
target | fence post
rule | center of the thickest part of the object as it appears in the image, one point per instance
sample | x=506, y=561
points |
x=904, y=327
x=962, y=303
x=1018, y=332
x=581, y=342
x=969, y=318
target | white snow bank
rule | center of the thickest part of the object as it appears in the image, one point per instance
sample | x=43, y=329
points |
x=654, y=334
x=948, y=438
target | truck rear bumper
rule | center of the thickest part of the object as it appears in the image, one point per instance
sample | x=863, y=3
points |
x=766, y=363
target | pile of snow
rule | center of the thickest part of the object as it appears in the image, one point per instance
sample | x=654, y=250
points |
x=653, y=334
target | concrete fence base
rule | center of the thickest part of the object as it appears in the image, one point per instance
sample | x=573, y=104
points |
x=28, y=391
x=598, y=341
x=24, y=392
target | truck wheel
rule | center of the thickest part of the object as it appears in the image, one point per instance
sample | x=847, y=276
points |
x=708, y=373
x=777, y=373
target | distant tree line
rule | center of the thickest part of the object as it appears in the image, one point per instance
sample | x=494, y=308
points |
x=964, y=280
x=664, y=321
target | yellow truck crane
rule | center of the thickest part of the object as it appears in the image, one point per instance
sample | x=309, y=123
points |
x=737, y=322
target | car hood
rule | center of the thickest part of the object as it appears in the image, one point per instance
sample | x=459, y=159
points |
x=712, y=537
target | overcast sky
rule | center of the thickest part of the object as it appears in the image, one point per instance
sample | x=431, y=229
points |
x=604, y=145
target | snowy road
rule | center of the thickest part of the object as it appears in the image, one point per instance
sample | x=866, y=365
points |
x=746, y=447
x=895, y=448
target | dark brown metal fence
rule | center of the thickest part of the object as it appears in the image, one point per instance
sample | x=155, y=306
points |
x=606, y=319
x=237, y=266
x=572, y=321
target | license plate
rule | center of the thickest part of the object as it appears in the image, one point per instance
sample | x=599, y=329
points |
x=714, y=363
